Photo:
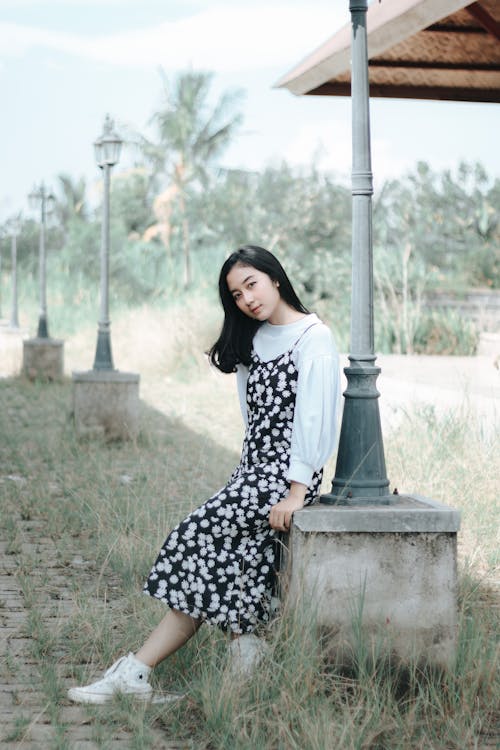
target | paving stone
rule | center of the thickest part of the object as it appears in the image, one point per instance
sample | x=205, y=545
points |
x=7, y=582
x=7, y=632
x=25, y=699
x=25, y=745
x=36, y=733
x=19, y=646
x=13, y=606
x=74, y=714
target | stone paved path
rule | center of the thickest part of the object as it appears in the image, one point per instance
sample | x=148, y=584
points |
x=26, y=714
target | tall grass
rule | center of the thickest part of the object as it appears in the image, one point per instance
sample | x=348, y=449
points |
x=454, y=458
x=146, y=274
x=136, y=278
x=108, y=506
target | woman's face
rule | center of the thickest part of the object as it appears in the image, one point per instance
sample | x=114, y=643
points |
x=254, y=292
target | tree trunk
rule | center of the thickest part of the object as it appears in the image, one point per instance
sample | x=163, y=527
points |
x=185, y=243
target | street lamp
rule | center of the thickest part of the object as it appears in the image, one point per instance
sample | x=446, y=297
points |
x=43, y=200
x=13, y=228
x=105, y=400
x=107, y=153
x=360, y=474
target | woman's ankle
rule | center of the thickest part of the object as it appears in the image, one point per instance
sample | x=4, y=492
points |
x=143, y=660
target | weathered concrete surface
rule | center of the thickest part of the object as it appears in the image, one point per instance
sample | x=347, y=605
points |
x=391, y=569
x=11, y=350
x=106, y=402
x=43, y=359
x=489, y=345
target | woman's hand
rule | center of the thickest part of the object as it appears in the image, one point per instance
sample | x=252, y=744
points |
x=280, y=516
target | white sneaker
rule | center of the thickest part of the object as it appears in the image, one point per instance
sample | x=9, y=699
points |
x=128, y=675
x=245, y=653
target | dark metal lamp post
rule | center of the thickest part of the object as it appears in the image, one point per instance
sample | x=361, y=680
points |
x=107, y=153
x=360, y=474
x=43, y=200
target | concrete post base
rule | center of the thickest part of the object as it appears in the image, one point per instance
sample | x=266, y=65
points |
x=489, y=344
x=11, y=350
x=106, y=403
x=388, y=572
x=43, y=359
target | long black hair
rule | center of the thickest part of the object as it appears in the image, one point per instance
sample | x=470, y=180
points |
x=234, y=344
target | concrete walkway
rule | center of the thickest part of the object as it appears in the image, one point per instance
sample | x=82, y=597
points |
x=471, y=383
x=36, y=597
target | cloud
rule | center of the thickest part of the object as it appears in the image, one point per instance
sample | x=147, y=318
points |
x=222, y=39
x=82, y=3
x=328, y=143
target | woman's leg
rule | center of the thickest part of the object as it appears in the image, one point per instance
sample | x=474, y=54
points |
x=130, y=674
x=170, y=634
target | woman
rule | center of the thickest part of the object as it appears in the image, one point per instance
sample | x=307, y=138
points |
x=219, y=564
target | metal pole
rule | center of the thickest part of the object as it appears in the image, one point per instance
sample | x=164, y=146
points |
x=14, y=321
x=43, y=330
x=103, y=357
x=360, y=474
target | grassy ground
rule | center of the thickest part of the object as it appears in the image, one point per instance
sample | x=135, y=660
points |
x=108, y=507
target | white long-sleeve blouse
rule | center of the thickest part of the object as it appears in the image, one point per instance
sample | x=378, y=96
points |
x=317, y=405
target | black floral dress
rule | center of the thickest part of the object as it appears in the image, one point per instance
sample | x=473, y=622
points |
x=219, y=564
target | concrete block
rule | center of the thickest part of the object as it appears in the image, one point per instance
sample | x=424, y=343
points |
x=43, y=359
x=489, y=344
x=11, y=350
x=106, y=404
x=386, y=571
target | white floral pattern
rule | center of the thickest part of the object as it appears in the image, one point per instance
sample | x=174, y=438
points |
x=219, y=563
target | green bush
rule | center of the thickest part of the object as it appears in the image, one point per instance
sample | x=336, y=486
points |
x=445, y=331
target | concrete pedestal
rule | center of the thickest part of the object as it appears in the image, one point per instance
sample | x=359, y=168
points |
x=489, y=344
x=106, y=403
x=43, y=359
x=11, y=350
x=388, y=572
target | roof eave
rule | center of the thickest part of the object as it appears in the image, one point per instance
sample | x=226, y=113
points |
x=387, y=25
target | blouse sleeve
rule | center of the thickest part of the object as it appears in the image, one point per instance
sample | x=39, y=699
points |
x=241, y=379
x=317, y=407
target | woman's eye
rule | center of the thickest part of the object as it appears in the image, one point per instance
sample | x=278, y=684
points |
x=251, y=284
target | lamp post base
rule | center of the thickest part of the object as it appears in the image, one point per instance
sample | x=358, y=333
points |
x=346, y=500
x=43, y=328
x=381, y=579
x=106, y=404
x=103, y=357
x=360, y=472
x=43, y=359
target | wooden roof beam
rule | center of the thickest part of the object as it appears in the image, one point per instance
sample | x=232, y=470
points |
x=450, y=28
x=406, y=91
x=487, y=21
x=434, y=65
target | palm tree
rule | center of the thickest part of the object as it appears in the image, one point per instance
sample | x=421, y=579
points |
x=71, y=200
x=191, y=134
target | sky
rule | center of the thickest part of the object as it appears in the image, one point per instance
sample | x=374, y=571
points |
x=64, y=64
